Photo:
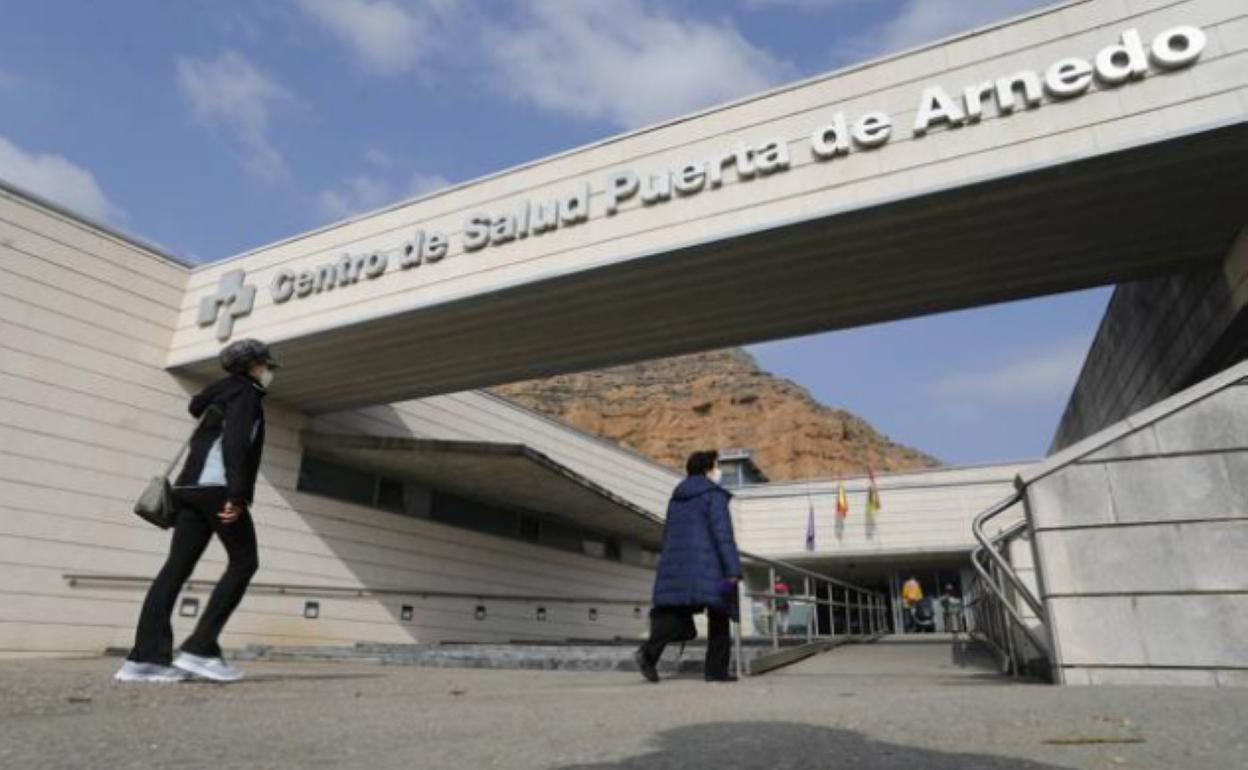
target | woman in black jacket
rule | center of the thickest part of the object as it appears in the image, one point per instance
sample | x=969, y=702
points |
x=214, y=492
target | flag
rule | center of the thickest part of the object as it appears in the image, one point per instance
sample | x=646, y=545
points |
x=873, y=495
x=810, y=525
x=842, y=500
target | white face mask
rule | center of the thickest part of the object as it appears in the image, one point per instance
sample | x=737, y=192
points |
x=266, y=377
x=715, y=475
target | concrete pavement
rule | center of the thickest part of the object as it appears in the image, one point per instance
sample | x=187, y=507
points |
x=890, y=705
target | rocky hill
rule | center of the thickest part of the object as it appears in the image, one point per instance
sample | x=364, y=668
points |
x=667, y=408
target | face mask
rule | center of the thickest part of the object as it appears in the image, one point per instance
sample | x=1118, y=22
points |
x=266, y=378
x=715, y=475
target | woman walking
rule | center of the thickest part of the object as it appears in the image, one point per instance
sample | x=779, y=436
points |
x=214, y=492
x=698, y=570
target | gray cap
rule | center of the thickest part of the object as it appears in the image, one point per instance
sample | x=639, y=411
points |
x=237, y=356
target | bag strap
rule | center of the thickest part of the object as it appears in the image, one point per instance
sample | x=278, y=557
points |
x=212, y=408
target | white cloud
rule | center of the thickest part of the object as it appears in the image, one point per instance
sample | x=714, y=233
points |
x=420, y=184
x=386, y=37
x=230, y=92
x=623, y=61
x=922, y=21
x=59, y=180
x=366, y=192
x=1048, y=373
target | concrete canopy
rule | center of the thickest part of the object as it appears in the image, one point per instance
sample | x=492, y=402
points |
x=1126, y=180
x=509, y=476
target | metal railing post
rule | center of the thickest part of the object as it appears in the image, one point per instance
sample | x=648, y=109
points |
x=818, y=628
x=775, y=615
x=810, y=608
x=736, y=643
x=998, y=566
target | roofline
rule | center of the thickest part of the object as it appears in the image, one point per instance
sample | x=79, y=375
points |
x=82, y=219
x=614, y=138
x=746, y=489
x=315, y=440
x=595, y=437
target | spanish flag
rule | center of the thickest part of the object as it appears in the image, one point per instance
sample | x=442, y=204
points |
x=842, y=500
x=873, y=496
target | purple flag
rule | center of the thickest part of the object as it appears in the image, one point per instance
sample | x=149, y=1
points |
x=810, y=527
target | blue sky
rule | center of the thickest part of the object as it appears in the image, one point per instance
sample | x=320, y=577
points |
x=211, y=127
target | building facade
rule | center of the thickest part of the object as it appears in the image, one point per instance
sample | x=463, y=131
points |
x=398, y=503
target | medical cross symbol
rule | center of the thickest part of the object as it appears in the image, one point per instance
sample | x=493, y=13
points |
x=231, y=292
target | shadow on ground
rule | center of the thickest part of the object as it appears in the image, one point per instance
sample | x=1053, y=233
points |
x=779, y=745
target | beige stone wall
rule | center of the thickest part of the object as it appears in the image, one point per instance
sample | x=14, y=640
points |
x=1140, y=533
x=87, y=415
x=924, y=511
x=1157, y=337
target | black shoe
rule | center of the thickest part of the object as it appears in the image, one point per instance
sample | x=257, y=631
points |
x=644, y=665
x=724, y=678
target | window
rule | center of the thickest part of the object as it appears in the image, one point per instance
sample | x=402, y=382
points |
x=530, y=529
x=469, y=514
x=326, y=478
x=390, y=494
x=594, y=548
x=323, y=477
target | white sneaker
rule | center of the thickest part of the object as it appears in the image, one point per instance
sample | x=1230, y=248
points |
x=216, y=669
x=133, y=671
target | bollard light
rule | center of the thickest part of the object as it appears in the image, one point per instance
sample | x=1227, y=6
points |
x=311, y=610
x=480, y=613
x=405, y=613
x=189, y=607
x=541, y=614
x=593, y=613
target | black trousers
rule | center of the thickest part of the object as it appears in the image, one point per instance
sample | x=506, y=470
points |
x=667, y=624
x=196, y=522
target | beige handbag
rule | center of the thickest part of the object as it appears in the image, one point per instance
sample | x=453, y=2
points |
x=156, y=505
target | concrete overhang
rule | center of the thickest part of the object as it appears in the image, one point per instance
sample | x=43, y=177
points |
x=509, y=476
x=1122, y=182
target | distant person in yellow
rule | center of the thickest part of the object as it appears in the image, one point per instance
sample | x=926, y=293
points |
x=911, y=595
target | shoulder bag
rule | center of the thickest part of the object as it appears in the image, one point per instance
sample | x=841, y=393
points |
x=156, y=505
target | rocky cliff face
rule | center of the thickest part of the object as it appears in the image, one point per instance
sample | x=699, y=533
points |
x=668, y=408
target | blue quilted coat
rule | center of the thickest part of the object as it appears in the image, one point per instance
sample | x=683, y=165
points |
x=699, y=550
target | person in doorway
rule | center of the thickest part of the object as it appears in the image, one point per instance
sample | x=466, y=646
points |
x=951, y=603
x=781, y=613
x=213, y=494
x=911, y=595
x=699, y=567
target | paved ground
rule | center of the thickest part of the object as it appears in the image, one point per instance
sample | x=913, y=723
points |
x=881, y=706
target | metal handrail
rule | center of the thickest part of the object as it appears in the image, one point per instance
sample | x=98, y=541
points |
x=866, y=611
x=305, y=589
x=787, y=567
x=994, y=633
x=988, y=548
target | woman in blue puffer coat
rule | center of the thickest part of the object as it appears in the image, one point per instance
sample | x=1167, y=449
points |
x=698, y=570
